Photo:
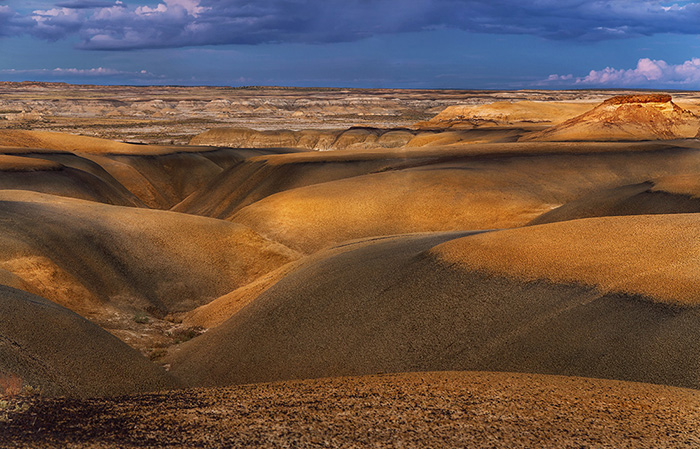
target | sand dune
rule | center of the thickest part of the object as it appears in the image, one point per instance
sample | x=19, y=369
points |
x=558, y=299
x=263, y=176
x=66, y=142
x=57, y=351
x=651, y=256
x=164, y=180
x=92, y=257
x=440, y=198
x=35, y=139
x=155, y=175
x=454, y=192
x=222, y=308
x=666, y=195
x=10, y=163
x=62, y=174
x=456, y=409
x=260, y=177
x=631, y=117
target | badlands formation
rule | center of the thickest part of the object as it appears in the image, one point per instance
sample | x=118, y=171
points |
x=501, y=269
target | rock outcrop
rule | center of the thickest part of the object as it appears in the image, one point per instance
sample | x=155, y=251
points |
x=626, y=118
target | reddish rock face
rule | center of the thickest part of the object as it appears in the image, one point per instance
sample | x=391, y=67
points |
x=625, y=99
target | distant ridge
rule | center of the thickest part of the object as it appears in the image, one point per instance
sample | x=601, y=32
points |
x=626, y=118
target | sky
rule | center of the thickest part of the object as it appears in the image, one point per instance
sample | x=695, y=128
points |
x=464, y=44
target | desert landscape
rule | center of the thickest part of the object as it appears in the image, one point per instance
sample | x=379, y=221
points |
x=215, y=267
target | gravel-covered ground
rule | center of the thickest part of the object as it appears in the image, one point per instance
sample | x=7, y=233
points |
x=412, y=410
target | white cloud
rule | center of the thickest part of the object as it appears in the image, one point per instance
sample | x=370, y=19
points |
x=147, y=11
x=59, y=72
x=191, y=6
x=647, y=73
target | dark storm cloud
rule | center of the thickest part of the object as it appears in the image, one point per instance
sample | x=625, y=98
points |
x=178, y=23
x=11, y=23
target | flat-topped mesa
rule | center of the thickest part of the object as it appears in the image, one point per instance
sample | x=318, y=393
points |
x=641, y=98
x=626, y=118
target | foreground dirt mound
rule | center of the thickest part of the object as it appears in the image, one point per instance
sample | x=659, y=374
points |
x=90, y=257
x=51, y=348
x=503, y=113
x=630, y=117
x=454, y=409
x=560, y=298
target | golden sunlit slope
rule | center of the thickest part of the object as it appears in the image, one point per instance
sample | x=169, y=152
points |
x=62, y=174
x=224, y=307
x=395, y=202
x=453, y=409
x=58, y=141
x=260, y=177
x=10, y=163
x=464, y=137
x=92, y=257
x=625, y=118
x=652, y=256
x=158, y=176
x=53, y=349
x=562, y=299
x=66, y=142
x=458, y=191
x=504, y=113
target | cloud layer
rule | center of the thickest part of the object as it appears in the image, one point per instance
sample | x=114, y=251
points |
x=654, y=73
x=105, y=25
x=73, y=72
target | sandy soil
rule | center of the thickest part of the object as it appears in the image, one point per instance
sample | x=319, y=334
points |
x=494, y=410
